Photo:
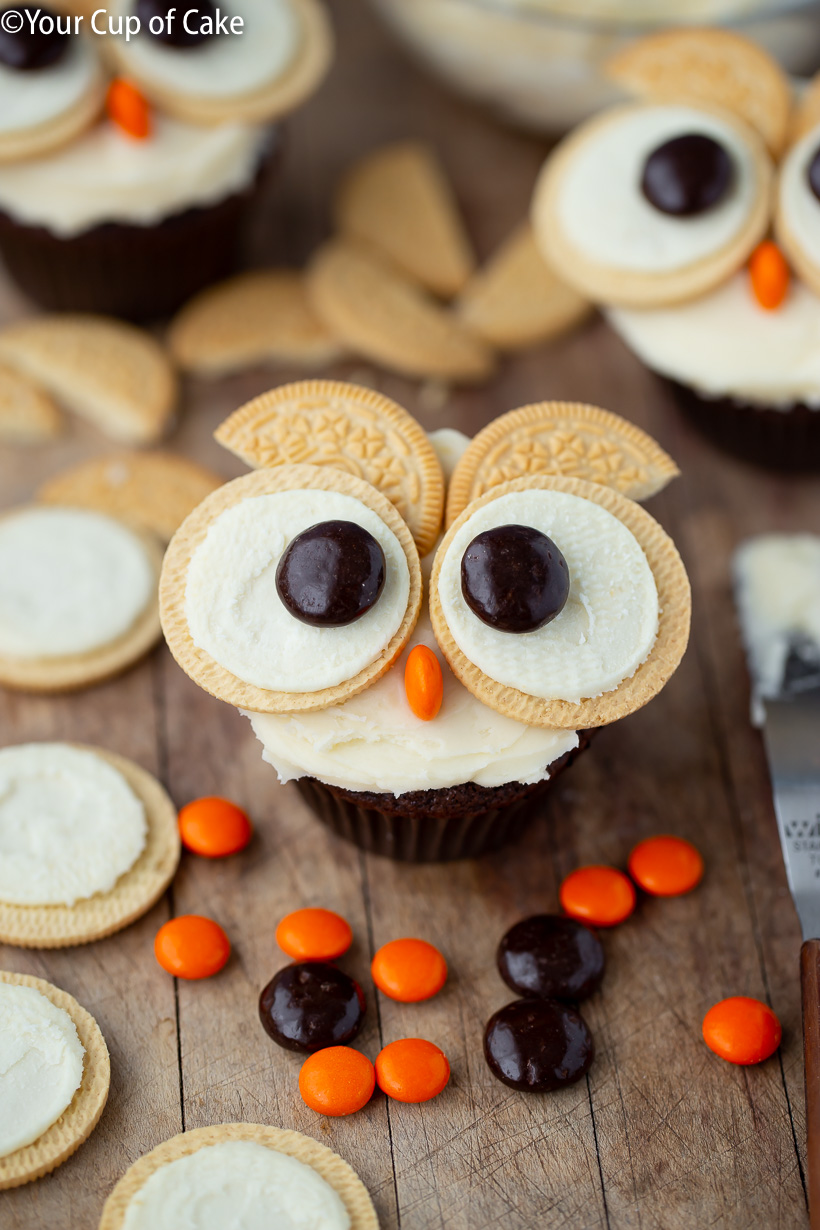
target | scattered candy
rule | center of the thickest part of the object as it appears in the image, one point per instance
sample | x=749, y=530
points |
x=337, y=1081
x=537, y=1045
x=409, y=970
x=551, y=957
x=601, y=896
x=128, y=109
x=214, y=827
x=412, y=1070
x=312, y=1006
x=666, y=866
x=423, y=682
x=742, y=1030
x=314, y=935
x=769, y=274
x=192, y=947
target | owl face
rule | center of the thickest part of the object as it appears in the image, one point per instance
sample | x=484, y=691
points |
x=693, y=216
x=299, y=590
x=56, y=69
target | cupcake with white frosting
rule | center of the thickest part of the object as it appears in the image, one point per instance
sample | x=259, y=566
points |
x=128, y=166
x=422, y=692
x=692, y=218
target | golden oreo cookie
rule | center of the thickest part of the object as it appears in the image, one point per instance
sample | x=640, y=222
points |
x=379, y=313
x=398, y=201
x=332, y=1168
x=205, y=670
x=27, y=414
x=329, y=423
x=93, y=918
x=674, y=603
x=561, y=438
x=82, y=1115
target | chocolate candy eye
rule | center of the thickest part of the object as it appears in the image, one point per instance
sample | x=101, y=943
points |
x=309, y=1006
x=813, y=173
x=177, y=35
x=514, y=578
x=687, y=175
x=28, y=48
x=331, y=574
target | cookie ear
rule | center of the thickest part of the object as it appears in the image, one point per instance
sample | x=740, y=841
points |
x=560, y=438
x=359, y=431
x=715, y=67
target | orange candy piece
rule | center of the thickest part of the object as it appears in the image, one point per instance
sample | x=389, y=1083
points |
x=769, y=273
x=314, y=935
x=337, y=1081
x=600, y=896
x=666, y=866
x=409, y=970
x=192, y=947
x=128, y=109
x=412, y=1070
x=742, y=1030
x=214, y=827
x=423, y=682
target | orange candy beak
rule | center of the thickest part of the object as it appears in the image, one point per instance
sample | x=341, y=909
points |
x=128, y=109
x=423, y=682
x=769, y=275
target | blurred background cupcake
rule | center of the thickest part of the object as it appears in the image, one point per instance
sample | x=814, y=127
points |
x=133, y=150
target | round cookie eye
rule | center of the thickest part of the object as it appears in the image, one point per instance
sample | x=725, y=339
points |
x=331, y=574
x=514, y=578
x=39, y=42
x=687, y=175
x=166, y=29
x=813, y=173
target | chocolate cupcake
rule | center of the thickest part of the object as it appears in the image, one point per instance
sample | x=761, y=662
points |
x=426, y=730
x=127, y=194
x=660, y=211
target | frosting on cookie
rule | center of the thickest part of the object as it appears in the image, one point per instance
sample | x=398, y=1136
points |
x=71, y=581
x=234, y=611
x=236, y=1183
x=799, y=206
x=605, y=215
x=225, y=65
x=725, y=345
x=29, y=99
x=41, y=1065
x=105, y=176
x=70, y=825
x=609, y=623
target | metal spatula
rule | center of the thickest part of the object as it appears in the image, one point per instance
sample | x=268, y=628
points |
x=791, y=731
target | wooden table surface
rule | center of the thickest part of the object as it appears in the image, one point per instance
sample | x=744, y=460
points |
x=662, y=1133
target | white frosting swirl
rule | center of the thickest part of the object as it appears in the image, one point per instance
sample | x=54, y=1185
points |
x=71, y=581
x=41, y=1065
x=236, y=1183
x=605, y=214
x=725, y=345
x=38, y=96
x=70, y=825
x=223, y=66
x=609, y=623
x=106, y=176
x=234, y=611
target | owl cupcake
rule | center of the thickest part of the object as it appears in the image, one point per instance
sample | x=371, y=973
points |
x=692, y=217
x=128, y=163
x=423, y=692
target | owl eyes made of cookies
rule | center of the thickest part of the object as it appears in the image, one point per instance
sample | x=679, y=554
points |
x=52, y=85
x=797, y=216
x=290, y=589
x=652, y=204
x=559, y=602
x=245, y=61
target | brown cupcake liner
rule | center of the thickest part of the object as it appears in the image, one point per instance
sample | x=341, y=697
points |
x=136, y=272
x=433, y=826
x=779, y=439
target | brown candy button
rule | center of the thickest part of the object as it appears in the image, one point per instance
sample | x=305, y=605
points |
x=538, y=1045
x=551, y=957
x=514, y=578
x=164, y=20
x=311, y=1005
x=687, y=175
x=331, y=574
x=37, y=43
